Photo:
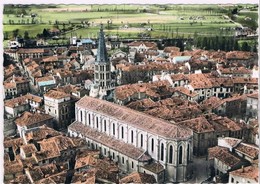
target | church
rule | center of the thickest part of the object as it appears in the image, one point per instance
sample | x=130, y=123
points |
x=102, y=71
x=136, y=141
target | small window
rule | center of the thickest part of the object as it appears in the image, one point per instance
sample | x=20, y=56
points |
x=132, y=164
x=123, y=160
x=232, y=180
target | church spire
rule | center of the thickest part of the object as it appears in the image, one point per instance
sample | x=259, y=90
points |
x=101, y=51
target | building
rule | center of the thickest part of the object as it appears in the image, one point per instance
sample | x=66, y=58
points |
x=30, y=120
x=60, y=105
x=13, y=107
x=134, y=139
x=102, y=74
x=231, y=156
x=252, y=105
x=244, y=175
x=16, y=86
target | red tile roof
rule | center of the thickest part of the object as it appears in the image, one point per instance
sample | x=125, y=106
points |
x=124, y=148
x=249, y=150
x=223, y=155
x=30, y=51
x=249, y=172
x=28, y=118
x=198, y=125
x=56, y=94
x=149, y=123
x=136, y=177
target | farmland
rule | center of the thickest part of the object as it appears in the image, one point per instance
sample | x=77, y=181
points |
x=157, y=21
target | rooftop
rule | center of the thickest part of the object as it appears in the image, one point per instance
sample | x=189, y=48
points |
x=198, y=125
x=136, y=177
x=247, y=172
x=28, y=118
x=111, y=142
x=249, y=150
x=223, y=155
x=134, y=118
x=56, y=94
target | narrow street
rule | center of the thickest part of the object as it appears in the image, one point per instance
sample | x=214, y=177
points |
x=200, y=170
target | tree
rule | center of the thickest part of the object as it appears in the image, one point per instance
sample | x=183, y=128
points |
x=26, y=35
x=45, y=33
x=15, y=33
x=245, y=47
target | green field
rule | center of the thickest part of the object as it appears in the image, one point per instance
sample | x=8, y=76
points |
x=166, y=20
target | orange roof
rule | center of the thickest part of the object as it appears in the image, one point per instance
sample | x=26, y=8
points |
x=28, y=119
x=30, y=51
x=246, y=172
x=199, y=125
x=223, y=155
x=149, y=123
x=56, y=94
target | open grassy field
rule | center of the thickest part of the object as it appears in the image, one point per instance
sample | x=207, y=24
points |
x=166, y=20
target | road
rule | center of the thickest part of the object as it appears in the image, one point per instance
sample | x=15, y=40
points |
x=200, y=170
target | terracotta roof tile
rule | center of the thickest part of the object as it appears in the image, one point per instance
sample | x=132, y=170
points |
x=136, y=177
x=28, y=118
x=223, y=155
x=247, y=172
x=149, y=123
x=154, y=167
x=30, y=51
x=249, y=150
x=199, y=125
x=115, y=144
x=56, y=94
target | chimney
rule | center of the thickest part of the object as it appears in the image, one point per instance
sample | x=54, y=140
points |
x=242, y=168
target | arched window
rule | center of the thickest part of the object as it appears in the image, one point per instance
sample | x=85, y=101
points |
x=89, y=120
x=105, y=125
x=142, y=141
x=81, y=116
x=180, y=155
x=170, y=154
x=188, y=152
x=152, y=145
x=122, y=132
x=96, y=121
x=114, y=129
x=162, y=151
x=132, y=136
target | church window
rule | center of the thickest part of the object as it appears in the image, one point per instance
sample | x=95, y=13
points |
x=114, y=129
x=170, y=154
x=132, y=136
x=122, y=132
x=142, y=141
x=188, y=152
x=152, y=145
x=162, y=151
x=180, y=155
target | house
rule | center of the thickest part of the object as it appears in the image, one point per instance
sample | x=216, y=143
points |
x=15, y=106
x=118, y=54
x=142, y=46
x=136, y=177
x=252, y=105
x=31, y=53
x=230, y=155
x=16, y=86
x=30, y=120
x=186, y=94
x=60, y=105
x=45, y=83
x=248, y=174
x=224, y=161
